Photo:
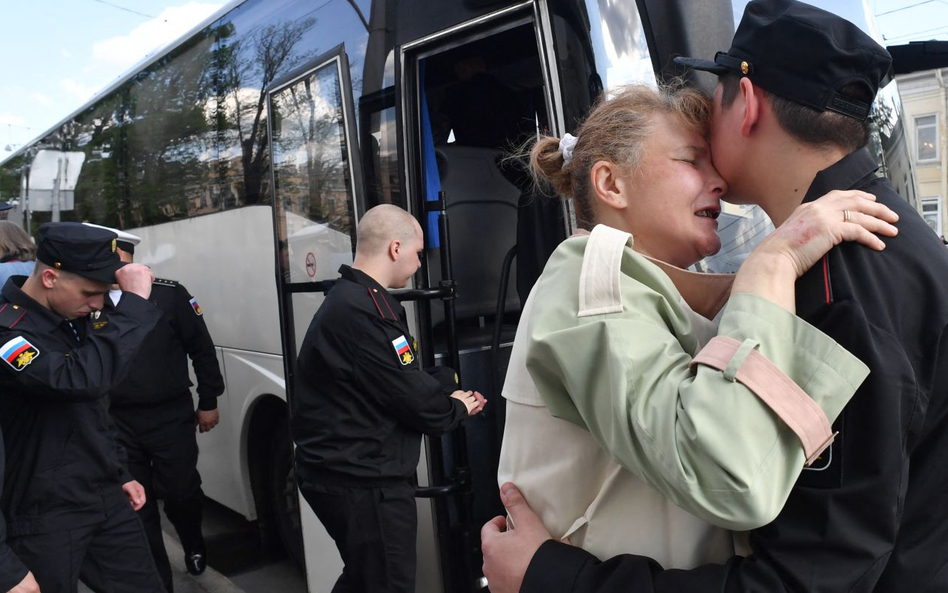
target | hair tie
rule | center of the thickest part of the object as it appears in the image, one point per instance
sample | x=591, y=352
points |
x=567, y=144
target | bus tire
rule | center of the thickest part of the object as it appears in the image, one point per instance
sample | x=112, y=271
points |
x=284, y=496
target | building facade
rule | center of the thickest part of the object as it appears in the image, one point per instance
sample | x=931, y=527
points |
x=925, y=100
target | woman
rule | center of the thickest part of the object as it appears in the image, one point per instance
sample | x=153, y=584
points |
x=17, y=252
x=717, y=417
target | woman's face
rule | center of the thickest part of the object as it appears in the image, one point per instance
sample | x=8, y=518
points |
x=675, y=195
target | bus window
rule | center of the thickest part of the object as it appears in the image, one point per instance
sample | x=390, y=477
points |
x=312, y=172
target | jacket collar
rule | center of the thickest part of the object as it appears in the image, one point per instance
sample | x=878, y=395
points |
x=385, y=304
x=843, y=174
x=13, y=293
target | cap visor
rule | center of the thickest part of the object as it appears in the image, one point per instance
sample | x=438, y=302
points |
x=698, y=64
x=106, y=274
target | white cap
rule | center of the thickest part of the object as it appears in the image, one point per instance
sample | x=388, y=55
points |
x=122, y=235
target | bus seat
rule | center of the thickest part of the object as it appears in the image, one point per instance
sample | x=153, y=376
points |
x=482, y=214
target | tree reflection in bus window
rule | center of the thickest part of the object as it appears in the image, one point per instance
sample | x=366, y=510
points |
x=311, y=169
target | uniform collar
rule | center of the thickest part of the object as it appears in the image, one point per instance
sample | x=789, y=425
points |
x=386, y=305
x=843, y=174
x=360, y=277
x=13, y=293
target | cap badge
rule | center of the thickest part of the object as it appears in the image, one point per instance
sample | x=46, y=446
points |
x=113, y=245
x=745, y=67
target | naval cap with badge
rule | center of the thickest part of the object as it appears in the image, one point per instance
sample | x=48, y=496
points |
x=804, y=54
x=83, y=250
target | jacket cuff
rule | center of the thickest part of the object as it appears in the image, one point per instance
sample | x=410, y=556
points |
x=12, y=571
x=555, y=567
x=206, y=404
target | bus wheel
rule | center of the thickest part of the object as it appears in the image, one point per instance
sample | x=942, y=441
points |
x=285, y=497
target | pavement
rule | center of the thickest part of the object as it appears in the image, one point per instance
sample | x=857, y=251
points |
x=209, y=582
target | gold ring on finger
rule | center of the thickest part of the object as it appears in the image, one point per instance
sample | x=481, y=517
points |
x=847, y=216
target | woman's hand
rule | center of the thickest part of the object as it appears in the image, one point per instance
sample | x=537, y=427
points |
x=816, y=227
x=811, y=231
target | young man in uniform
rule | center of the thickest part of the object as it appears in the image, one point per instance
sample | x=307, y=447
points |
x=361, y=404
x=68, y=500
x=789, y=125
x=154, y=412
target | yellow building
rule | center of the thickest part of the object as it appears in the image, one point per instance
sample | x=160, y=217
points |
x=925, y=100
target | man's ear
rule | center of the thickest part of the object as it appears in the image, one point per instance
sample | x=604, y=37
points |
x=752, y=97
x=394, y=248
x=607, y=184
x=49, y=277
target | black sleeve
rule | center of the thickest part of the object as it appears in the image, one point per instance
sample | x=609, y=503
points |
x=414, y=398
x=561, y=568
x=12, y=570
x=88, y=372
x=192, y=331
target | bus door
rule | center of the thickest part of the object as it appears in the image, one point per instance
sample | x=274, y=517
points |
x=469, y=96
x=316, y=178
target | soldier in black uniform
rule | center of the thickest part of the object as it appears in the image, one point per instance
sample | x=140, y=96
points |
x=361, y=404
x=67, y=497
x=871, y=514
x=154, y=412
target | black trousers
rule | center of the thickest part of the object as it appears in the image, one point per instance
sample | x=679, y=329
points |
x=111, y=557
x=162, y=456
x=374, y=530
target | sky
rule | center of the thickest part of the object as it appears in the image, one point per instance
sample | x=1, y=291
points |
x=59, y=53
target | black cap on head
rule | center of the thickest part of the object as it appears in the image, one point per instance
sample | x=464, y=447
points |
x=5, y=206
x=804, y=54
x=80, y=249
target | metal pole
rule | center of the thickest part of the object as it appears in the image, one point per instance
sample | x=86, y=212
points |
x=55, y=205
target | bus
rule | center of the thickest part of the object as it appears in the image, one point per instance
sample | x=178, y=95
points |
x=245, y=153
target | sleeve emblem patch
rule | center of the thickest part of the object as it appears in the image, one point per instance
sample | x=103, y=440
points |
x=18, y=353
x=403, y=350
x=196, y=307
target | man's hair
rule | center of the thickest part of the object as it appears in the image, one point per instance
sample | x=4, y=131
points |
x=14, y=242
x=820, y=129
x=380, y=226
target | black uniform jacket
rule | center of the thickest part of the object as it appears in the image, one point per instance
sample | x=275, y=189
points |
x=362, y=399
x=160, y=370
x=12, y=570
x=872, y=513
x=64, y=468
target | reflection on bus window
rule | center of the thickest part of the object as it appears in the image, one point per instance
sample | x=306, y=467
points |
x=312, y=174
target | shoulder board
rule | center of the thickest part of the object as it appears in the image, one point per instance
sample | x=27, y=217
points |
x=11, y=314
x=165, y=282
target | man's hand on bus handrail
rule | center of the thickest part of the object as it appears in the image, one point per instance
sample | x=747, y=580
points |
x=135, y=278
x=472, y=400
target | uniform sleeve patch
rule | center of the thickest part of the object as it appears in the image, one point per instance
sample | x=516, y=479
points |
x=195, y=306
x=403, y=350
x=18, y=353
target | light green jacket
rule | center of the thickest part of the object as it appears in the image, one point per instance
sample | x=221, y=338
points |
x=707, y=443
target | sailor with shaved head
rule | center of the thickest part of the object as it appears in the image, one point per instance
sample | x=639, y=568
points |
x=362, y=402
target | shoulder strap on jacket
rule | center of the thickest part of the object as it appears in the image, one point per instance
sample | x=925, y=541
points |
x=599, y=284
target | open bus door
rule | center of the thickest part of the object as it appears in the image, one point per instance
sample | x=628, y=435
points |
x=316, y=178
x=468, y=94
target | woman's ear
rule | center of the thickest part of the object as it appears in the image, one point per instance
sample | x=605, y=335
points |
x=607, y=184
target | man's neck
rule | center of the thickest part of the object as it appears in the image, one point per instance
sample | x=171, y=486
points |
x=33, y=289
x=372, y=269
x=782, y=185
